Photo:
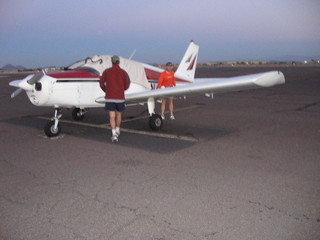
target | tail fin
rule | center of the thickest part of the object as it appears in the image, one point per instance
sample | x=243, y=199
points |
x=188, y=64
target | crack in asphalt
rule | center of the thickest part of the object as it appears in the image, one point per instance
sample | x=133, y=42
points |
x=306, y=106
x=291, y=215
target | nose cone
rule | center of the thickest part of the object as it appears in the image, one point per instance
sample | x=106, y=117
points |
x=15, y=83
x=23, y=84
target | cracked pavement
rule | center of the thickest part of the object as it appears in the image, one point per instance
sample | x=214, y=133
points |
x=253, y=174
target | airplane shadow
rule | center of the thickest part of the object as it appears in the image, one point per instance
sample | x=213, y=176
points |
x=152, y=143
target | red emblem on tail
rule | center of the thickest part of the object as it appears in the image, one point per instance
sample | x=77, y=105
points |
x=191, y=66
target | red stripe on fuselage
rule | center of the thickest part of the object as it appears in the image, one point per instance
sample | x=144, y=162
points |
x=78, y=74
x=152, y=75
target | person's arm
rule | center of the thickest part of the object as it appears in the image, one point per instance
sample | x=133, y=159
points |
x=160, y=80
x=127, y=82
x=102, y=83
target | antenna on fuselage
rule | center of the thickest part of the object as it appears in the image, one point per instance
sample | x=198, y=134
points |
x=132, y=54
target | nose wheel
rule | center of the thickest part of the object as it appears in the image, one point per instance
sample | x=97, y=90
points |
x=50, y=130
x=53, y=127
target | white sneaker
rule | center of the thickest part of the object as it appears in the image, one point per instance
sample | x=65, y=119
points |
x=118, y=133
x=172, y=117
x=114, y=138
x=163, y=117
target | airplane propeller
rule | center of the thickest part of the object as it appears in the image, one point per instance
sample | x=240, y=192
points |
x=16, y=92
x=34, y=79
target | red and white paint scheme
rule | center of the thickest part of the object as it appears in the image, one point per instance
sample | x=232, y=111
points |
x=78, y=86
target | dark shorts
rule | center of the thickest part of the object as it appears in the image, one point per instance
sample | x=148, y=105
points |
x=112, y=106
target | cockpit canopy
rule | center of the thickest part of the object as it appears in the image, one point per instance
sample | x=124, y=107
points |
x=97, y=64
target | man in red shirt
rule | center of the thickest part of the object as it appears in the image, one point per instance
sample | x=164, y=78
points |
x=166, y=79
x=114, y=81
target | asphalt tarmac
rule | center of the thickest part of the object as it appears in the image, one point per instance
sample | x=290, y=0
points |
x=245, y=165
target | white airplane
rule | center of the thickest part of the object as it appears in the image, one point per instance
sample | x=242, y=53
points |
x=78, y=86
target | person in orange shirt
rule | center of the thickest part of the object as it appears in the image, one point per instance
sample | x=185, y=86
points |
x=166, y=79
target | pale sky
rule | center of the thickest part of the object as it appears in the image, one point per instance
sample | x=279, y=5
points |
x=39, y=33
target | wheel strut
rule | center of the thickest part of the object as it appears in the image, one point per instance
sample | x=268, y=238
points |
x=53, y=128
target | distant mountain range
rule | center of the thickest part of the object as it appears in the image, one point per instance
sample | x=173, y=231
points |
x=10, y=67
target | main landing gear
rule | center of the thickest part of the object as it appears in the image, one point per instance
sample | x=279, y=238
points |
x=155, y=120
x=78, y=114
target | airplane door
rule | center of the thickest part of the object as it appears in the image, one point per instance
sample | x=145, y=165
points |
x=88, y=92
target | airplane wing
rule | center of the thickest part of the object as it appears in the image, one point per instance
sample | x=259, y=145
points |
x=209, y=85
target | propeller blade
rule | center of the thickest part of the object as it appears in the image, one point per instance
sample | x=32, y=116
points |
x=16, y=92
x=36, y=77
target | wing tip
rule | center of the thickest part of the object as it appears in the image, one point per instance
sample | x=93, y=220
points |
x=270, y=79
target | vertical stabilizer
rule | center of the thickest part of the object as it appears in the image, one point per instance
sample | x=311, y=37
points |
x=188, y=64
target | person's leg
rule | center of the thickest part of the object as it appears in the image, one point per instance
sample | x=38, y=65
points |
x=120, y=107
x=171, y=109
x=118, y=119
x=171, y=106
x=112, y=117
x=111, y=107
x=118, y=122
x=163, y=107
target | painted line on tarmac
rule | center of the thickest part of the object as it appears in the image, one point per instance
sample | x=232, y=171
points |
x=141, y=132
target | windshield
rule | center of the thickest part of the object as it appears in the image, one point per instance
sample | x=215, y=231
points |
x=88, y=69
x=76, y=64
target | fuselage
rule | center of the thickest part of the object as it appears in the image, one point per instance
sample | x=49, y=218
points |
x=79, y=85
x=74, y=88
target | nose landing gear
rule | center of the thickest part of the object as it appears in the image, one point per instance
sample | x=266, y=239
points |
x=53, y=127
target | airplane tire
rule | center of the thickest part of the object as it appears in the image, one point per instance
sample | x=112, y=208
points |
x=77, y=114
x=155, y=122
x=50, y=131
